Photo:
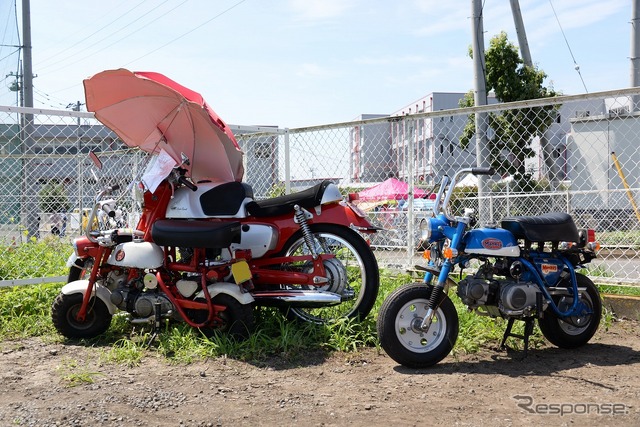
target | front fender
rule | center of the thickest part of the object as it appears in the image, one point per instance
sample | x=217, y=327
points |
x=71, y=261
x=229, y=289
x=80, y=287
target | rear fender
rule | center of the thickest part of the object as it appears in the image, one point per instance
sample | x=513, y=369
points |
x=229, y=289
x=343, y=213
x=80, y=287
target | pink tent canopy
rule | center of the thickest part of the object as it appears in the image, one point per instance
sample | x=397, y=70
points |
x=391, y=189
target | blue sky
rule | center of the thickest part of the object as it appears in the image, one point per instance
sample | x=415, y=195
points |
x=296, y=63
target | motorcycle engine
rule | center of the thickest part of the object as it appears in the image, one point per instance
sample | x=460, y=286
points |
x=133, y=299
x=504, y=298
x=145, y=304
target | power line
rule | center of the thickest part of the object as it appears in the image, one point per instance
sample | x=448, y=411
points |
x=84, y=39
x=164, y=45
x=576, y=66
x=189, y=32
x=122, y=38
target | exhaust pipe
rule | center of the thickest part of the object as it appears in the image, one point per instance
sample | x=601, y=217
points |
x=296, y=298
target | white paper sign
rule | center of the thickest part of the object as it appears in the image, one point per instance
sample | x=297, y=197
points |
x=160, y=168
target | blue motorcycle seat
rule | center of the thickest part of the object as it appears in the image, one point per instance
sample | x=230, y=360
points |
x=195, y=234
x=281, y=205
x=550, y=227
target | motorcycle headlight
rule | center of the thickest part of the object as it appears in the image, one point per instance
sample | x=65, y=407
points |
x=425, y=229
x=431, y=229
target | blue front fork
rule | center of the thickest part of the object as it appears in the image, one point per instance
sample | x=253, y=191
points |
x=447, y=265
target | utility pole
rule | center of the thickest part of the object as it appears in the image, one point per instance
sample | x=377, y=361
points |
x=545, y=147
x=635, y=52
x=480, y=98
x=522, y=34
x=27, y=77
x=29, y=205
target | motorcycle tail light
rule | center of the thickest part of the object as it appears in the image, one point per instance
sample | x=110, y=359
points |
x=591, y=240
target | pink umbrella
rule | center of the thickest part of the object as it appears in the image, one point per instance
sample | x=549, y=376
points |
x=152, y=112
x=391, y=189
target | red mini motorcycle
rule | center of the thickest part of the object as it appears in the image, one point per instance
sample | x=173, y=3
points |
x=204, y=251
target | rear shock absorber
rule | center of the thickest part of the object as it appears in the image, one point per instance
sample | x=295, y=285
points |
x=301, y=219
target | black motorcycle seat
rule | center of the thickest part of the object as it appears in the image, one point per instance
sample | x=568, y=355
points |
x=550, y=227
x=281, y=205
x=195, y=234
x=225, y=199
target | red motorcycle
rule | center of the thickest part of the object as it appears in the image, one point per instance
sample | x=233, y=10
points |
x=204, y=251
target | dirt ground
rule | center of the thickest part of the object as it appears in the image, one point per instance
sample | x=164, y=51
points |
x=598, y=384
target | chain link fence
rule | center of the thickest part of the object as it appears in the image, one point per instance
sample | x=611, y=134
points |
x=576, y=154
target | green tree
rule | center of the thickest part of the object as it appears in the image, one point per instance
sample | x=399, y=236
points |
x=513, y=130
x=53, y=198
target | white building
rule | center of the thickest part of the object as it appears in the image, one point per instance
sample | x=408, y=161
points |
x=436, y=141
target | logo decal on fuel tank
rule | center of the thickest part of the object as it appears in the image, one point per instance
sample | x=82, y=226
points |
x=120, y=255
x=492, y=244
x=549, y=268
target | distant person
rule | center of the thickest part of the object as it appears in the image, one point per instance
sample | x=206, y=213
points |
x=58, y=221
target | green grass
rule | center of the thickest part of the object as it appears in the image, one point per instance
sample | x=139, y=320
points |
x=73, y=375
x=627, y=238
x=619, y=290
x=41, y=258
x=25, y=312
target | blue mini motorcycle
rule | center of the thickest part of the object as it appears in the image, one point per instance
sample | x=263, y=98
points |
x=527, y=271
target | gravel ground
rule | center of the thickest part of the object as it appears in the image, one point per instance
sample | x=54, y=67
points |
x=596, y=385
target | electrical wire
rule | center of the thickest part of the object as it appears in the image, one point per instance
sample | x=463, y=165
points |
x=576, y=66
x=68, y=64
x=50, y=99
x=188, y=32
x=166, y=44
x=12, y=53
x=84, y=39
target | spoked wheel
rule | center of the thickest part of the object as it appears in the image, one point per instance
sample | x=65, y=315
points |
x=236, y=320
x=573, y=331
x=64, y=311
x=353, y=273
x=399, y=321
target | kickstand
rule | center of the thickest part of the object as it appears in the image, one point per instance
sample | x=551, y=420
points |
x=157, y=324
x=528, y=331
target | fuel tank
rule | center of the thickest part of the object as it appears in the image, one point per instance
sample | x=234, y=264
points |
x=137, y=255
x=491, y=242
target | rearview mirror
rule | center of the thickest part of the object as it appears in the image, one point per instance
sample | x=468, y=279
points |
x=96, y=161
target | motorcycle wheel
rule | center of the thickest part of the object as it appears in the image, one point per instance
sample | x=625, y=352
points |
x=237, y=319
x=400, y=316
x=574, y=331
x=63, y=315
x=357, y=269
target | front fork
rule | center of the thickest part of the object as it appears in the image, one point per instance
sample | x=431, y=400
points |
x=438, y=291
x=95, y=269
